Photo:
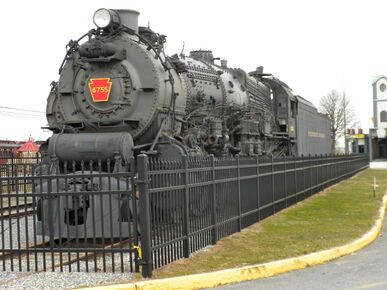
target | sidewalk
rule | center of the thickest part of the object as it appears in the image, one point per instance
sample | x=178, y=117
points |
x=379, y=164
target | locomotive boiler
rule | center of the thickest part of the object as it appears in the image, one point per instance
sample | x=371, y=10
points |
x=120, y=95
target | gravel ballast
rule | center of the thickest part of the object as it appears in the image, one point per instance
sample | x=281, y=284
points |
x=58, y=280
x=24, y=279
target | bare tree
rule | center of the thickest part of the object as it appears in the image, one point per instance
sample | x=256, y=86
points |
x=342, y=114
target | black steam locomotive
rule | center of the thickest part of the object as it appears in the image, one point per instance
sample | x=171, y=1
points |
x=119, y=95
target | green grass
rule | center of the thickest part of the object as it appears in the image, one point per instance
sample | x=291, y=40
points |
x=334, y=217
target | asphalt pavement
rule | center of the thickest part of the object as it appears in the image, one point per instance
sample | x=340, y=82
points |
x=365, y=269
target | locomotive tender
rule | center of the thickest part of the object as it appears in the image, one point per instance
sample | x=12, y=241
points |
x=119, y=95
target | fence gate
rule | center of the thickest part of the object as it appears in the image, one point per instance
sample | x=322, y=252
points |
x=82, y=218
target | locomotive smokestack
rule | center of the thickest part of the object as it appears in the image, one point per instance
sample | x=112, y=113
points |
x=129, y=18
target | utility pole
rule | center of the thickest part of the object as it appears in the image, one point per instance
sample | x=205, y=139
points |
x=345, y=124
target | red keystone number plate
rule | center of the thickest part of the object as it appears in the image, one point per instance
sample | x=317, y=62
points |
x=100, y=89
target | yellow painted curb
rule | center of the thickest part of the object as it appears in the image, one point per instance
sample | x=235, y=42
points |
x=213, y=279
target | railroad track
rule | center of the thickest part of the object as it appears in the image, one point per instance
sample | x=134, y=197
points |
x=87, y=255
x=57, y=242
x=7, y=255
x=15, y=211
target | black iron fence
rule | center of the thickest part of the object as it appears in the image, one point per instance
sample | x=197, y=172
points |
x=97, y=216
x=15, y=171
x=71, y=216
x=189, y=204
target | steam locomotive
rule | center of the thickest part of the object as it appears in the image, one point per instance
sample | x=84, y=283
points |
x=120, y=95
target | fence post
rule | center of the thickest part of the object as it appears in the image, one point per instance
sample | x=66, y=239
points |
x=318, y=161
x=50, y=213
x=145, y=220
x=214, y=229
x=133, y=198
x=303, y=175
x=285, y=183
x=322, y=170
x=12, y=174
x=311, y=175
x=295, y=178
x=239, y=194
x=329, y=169
x=272, y=183
x=326, y=170
x=258, y=202
x=186, y=249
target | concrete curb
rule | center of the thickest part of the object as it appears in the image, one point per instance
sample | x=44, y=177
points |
x=213, y=279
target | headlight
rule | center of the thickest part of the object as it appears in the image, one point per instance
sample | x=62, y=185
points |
x=104, y=17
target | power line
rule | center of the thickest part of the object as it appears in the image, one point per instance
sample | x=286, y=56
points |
x=24, y=110
x=20, y=115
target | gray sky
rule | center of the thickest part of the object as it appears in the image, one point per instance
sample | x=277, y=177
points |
x=313, y=46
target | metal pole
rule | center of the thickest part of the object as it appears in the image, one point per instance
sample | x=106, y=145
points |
x=145, y=220
x=258, y=202
x=345, y=124
x=239, y=194
x=12, y=174
x=285, y=183
x=272, y=183
x=135, y=211
x=369, y=146
x=213, y=210
x=186, y=249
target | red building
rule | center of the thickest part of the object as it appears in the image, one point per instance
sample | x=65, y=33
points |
x=9, y=148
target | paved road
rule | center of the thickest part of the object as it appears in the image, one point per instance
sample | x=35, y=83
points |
x=365, y=269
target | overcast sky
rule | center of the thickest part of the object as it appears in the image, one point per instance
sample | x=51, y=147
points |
x=313, y=46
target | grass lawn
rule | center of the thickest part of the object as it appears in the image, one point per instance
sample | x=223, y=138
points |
x=331, y=218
